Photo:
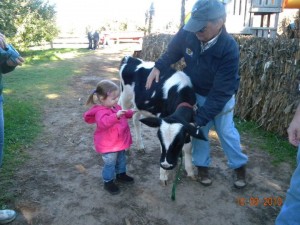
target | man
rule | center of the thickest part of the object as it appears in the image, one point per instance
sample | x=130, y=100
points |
x=96, y=38
x=90, y=38
x=289, y=214
x=9, y=59
x=212, y=62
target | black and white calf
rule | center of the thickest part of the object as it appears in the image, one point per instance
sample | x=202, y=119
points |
x=167, y=105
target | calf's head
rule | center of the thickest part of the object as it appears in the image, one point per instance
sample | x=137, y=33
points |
x=172, y=134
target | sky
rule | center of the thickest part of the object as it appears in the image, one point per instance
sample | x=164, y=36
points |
x=81, y=13
x=77, y=15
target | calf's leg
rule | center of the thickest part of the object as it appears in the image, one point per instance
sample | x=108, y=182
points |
x=163, y=174
x=187, y=150
x=126, y=100
x=137, y=130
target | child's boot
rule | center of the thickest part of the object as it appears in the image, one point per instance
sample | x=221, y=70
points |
x=111, y=187
x=124, y=178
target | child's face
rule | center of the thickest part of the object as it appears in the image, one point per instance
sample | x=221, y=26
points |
x=111, y=100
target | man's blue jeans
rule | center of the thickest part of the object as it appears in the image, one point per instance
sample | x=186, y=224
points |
x=290, y=211
x=114, y=163
x=228, y=136
x=1, y=130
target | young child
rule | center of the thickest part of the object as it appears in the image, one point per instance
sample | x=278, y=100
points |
x=112, y=135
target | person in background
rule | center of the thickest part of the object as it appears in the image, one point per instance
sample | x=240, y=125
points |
x=96, y=38
x=105, y=38
x=8, y=62
x=290, y=211
x=212, y=62
x=292, y=30
x=112, y=135
x=90, y=38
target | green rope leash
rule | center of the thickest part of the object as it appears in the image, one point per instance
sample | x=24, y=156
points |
x=177, y=178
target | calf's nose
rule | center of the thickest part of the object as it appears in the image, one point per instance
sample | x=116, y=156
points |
x=165, y=165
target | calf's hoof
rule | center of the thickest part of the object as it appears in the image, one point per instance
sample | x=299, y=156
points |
x=164, y=183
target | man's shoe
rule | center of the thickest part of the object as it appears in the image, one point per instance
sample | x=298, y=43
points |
x=240, y=180
x=7, y=216
x=111, y=187
x=203, y=175
x=124, y=178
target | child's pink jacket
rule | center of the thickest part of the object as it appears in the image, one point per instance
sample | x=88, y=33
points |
x=111, y=134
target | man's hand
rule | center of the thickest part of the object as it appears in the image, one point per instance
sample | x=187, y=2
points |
x=294, y=132
x=17, y=62
x=154, y=74
x=294, y=129
x=15, y=59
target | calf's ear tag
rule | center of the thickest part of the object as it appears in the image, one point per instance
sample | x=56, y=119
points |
x=195, y=107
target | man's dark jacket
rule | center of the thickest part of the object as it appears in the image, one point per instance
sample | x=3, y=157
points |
x=214, y=72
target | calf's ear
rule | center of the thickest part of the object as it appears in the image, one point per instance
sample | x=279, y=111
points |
x=151, y=121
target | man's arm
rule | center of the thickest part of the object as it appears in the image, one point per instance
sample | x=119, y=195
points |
x=171, y=56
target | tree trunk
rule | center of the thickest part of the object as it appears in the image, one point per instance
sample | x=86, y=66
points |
x=151, y=15
x=182, y=13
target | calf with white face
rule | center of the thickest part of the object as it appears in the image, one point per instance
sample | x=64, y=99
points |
x=167, y=105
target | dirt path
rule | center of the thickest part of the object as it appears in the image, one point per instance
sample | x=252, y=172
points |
x=61, y=184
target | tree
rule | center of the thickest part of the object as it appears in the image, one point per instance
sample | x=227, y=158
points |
x=9, y=12
x=28, y=22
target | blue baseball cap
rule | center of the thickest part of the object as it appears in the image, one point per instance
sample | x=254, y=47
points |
x=202, y=12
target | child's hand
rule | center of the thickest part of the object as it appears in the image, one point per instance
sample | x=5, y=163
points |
x=121, y=113
x=134, y=110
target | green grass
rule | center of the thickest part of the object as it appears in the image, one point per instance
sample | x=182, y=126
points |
x=46, y=56
x=44, y=73
x=279, y=148
x=26, y=90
